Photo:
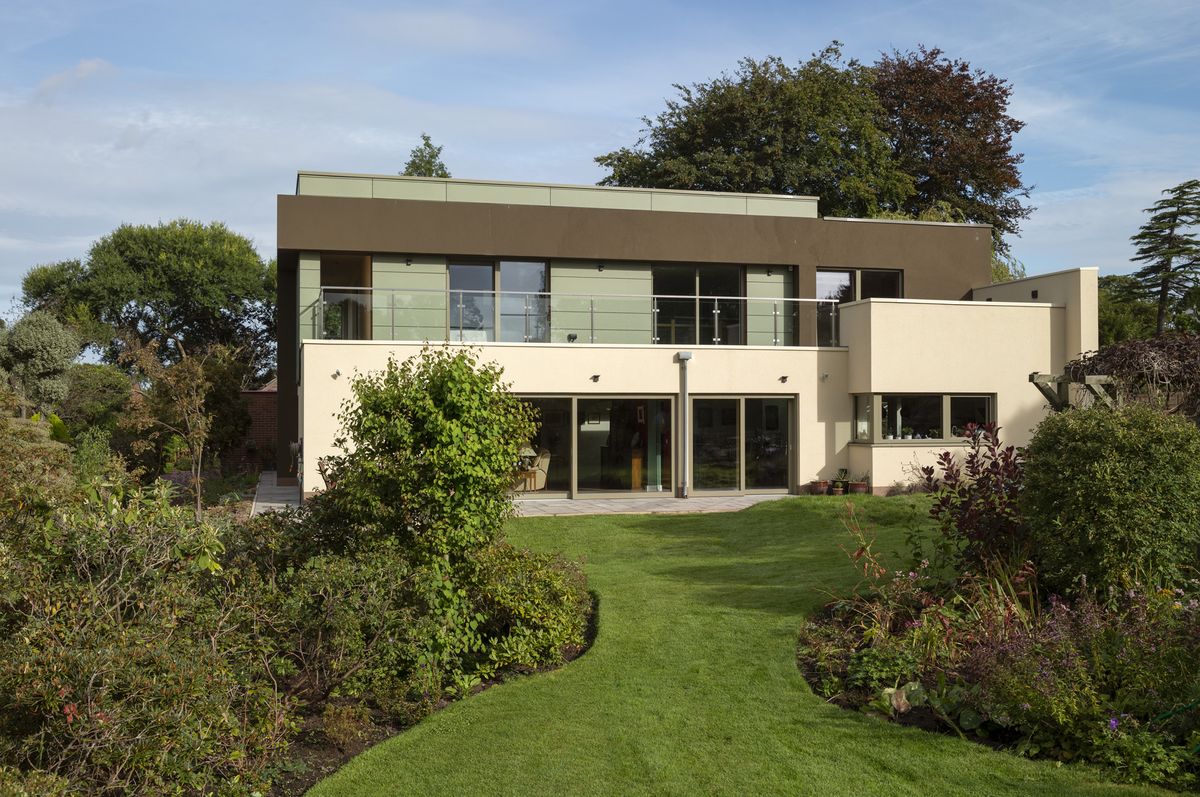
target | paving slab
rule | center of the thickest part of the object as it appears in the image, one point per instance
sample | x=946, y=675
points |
x=272, y=496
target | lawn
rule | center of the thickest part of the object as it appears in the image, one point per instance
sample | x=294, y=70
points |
x=691, y=686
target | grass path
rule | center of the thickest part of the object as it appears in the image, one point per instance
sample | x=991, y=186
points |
x=691, y=687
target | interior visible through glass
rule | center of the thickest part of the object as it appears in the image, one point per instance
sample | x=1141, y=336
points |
x=545, y=461
x=624, y=445
x=767, y=443
x=912, y=417
x=472, y=302
x=715, y=444
x=968, y=409
x=837, y=286
x=676, y=318
x=524, y=307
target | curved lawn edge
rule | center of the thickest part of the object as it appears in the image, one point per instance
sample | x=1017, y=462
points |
x=691, y=684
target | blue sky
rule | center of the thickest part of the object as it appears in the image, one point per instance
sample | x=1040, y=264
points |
x=137, y=112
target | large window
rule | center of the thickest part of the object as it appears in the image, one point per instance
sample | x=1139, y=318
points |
x=472, y=302
x=918, y=416
x=545, y=465
x=624, y=445
x=716, y=444
x=741, y=443
x=851, y=285
x=705, y=307
x=524, y=306
x=767, y=422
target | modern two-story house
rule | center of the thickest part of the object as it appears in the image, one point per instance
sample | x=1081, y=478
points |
x=675, y=342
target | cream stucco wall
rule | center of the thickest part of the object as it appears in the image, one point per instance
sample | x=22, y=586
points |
x=913, y=346
x=1075, y=289
x=816, y=380
x=891, y=346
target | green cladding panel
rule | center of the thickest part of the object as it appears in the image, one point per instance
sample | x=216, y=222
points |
x=770, y=322
x=583, y=303
x=309, y=282
x=409, y=297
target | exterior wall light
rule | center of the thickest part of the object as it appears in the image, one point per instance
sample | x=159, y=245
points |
x=336, y=373
x=599, y=266
x=783, y=378
x=408, y=261
x=595, y=377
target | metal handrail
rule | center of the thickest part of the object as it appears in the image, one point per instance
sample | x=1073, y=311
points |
x=539, y=306
x=553, y=294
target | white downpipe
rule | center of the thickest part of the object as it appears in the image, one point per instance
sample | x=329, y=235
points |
x=684, y=427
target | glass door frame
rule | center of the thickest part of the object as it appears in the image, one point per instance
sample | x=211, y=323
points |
x=741, y=489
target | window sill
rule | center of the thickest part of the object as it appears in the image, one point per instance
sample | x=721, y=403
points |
x=952, y=442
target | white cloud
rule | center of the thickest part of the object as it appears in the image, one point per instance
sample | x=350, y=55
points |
x=82, y=71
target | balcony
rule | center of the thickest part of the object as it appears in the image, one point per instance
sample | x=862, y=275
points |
x=613, y=319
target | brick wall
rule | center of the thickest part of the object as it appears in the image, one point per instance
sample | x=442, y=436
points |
x=257, y=451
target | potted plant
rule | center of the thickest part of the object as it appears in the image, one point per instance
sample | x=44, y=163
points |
x=906, y=432
x=819, y=487
x=840, y=481
x=858, y=485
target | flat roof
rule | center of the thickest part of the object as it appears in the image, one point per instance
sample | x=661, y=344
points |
x=450, y=189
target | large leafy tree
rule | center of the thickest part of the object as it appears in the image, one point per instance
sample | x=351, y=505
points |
x=34, y=357
x=180, y=285
x=425, y=160
x=1169, y=246
x=813, y=129
x=949, y=129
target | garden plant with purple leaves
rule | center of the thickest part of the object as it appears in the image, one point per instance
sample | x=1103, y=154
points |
x=1096, y=664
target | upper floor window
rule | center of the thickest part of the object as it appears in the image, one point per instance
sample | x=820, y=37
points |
x=850, y=285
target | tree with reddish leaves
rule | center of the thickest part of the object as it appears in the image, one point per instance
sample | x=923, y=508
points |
x=950, y=130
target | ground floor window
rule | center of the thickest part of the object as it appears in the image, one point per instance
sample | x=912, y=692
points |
x=741, y=443
x=546, y=461
x=918, y=416
x=624, y=445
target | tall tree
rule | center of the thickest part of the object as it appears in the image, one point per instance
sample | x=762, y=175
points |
x=1169, y=245
x=949, y=129
x=425, y=160
x=181, y=285
x=813, y=129
x=34, y=357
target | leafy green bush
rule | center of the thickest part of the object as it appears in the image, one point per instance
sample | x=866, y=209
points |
x=1113, y=496
x=131, y=661
x=432, y=444
x=536, y=606
x=15, y=783
x=1099, y=682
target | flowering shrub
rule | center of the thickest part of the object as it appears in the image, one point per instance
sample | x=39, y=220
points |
x=1109, y=678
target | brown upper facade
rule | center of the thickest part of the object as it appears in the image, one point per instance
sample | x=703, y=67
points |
x=349, y=214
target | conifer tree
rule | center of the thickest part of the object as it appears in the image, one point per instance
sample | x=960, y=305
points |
x=1169, y=246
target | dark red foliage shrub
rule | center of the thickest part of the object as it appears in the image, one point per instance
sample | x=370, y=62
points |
x=1162, y=371
x=976, y=500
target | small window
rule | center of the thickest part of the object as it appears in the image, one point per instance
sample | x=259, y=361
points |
x=880, y=284
x=862, y=417
x=968, y=409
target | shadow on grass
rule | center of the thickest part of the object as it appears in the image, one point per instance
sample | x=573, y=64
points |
x=785, y=557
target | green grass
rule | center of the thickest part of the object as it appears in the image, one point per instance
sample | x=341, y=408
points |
x=691, y=686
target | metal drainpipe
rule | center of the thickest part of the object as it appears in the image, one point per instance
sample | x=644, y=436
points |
x=684, y=429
